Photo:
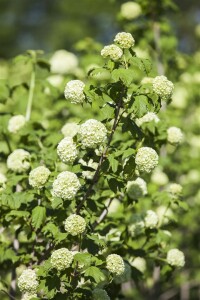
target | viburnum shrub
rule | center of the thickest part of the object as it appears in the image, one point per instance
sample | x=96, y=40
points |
x=78, y=219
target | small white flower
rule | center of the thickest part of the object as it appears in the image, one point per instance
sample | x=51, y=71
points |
x=92, y=133
x=75, y=225
x=149, y=117
x=124, y=40
x=70, y=129
x=61, y=259
x=163, y=87
x=63, y=62
x=137, y=188
x=151, y=219
x=176, y=258
x=16, y=123
x=19, y=161
x=174, y=135
x=39, y=176
x=146, y=159
x=115, y=264
x=67, y=151
x=74, y=91
x=28, y=282
x=130, y=10
x=66, y=185
x=112, y=51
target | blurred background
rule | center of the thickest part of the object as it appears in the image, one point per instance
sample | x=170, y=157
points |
x=50, y=25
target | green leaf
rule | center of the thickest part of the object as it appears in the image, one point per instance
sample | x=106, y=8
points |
x=83, y=259
x=113, y=163
x=126, y=76
x=95, y=273
x=143, y=64
x=16, y=213
x=38, y=216
x=4, y=91
x=140, y=106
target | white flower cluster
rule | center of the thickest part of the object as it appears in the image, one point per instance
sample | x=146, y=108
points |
x=70, y=129
x=159, y=177
x=90, y=164
x=75, y=224
x=175, y=189
x=175, y=258
x=28, y=296
x=149, y=117
x=66, y=185
x=38, y=177
x=92, y=133
x=146, y=159
x=151, y=219
x=16, y=123
x=174, y=135
x=54, y=80
x=137, y=188
x=28, y=282
x=62, y=259
x=139, y=263
x=63, y=62
x=100, y=294
x=124, y=40
x=67, y=151
x=125, y=276
x=137, y=225
x=112, y=51
x=19, y=161
x=163, y=87
x=130, y=10
x=3, y=180
x=74, y=91
x=115, y=264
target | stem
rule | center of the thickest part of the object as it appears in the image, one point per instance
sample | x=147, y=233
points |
x=102, y=216
x=102, y=158
x=30, y=96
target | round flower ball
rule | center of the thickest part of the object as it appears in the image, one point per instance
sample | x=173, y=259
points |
x=100, y=294
x=159, y=177
x=70, y=129
x=115, y=264
x=151, y=219
x=175, y=189
x=149, y=117
x=112, y=51
x=61, y=259
x=63, y=62
x=75, y=224
x=146, y=159
x=137, y=188
x=163, y=87
x=38, y=177
x=130, y=10
x=124, y=40
x=16, y=123
x=74, y=91
x=174, y=135
x=92, y=133
x=28, y=282
x=28, y=296
x=139, y=263
x=66, y=185
x=19, y=161
x=67, y=151
x=176, y=258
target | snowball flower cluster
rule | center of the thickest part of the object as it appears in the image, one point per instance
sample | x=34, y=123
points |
x=16, y=123
x=62, y=259
x=70, y=129
x=146, y=159
x=28, y=282
x=3, y=180
x=175, y=189
x=149, y=117
x=100, y=294
x=19, y=161
x=28, y=296
x=112, y=51
x=115, y=264
x=137, y=188
x=74, y=91
x=66, y=185
x=151, y=219
x=92, y=133
x=67, y=151
x=125, y=276
x=174, y=135
x=75, y=224
x=159, y=177
x=130, y=10
x=63, y=62
x=176, y=258
x=163, y=87
x=139, y=263
x=124, y=40
x=38, y=177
